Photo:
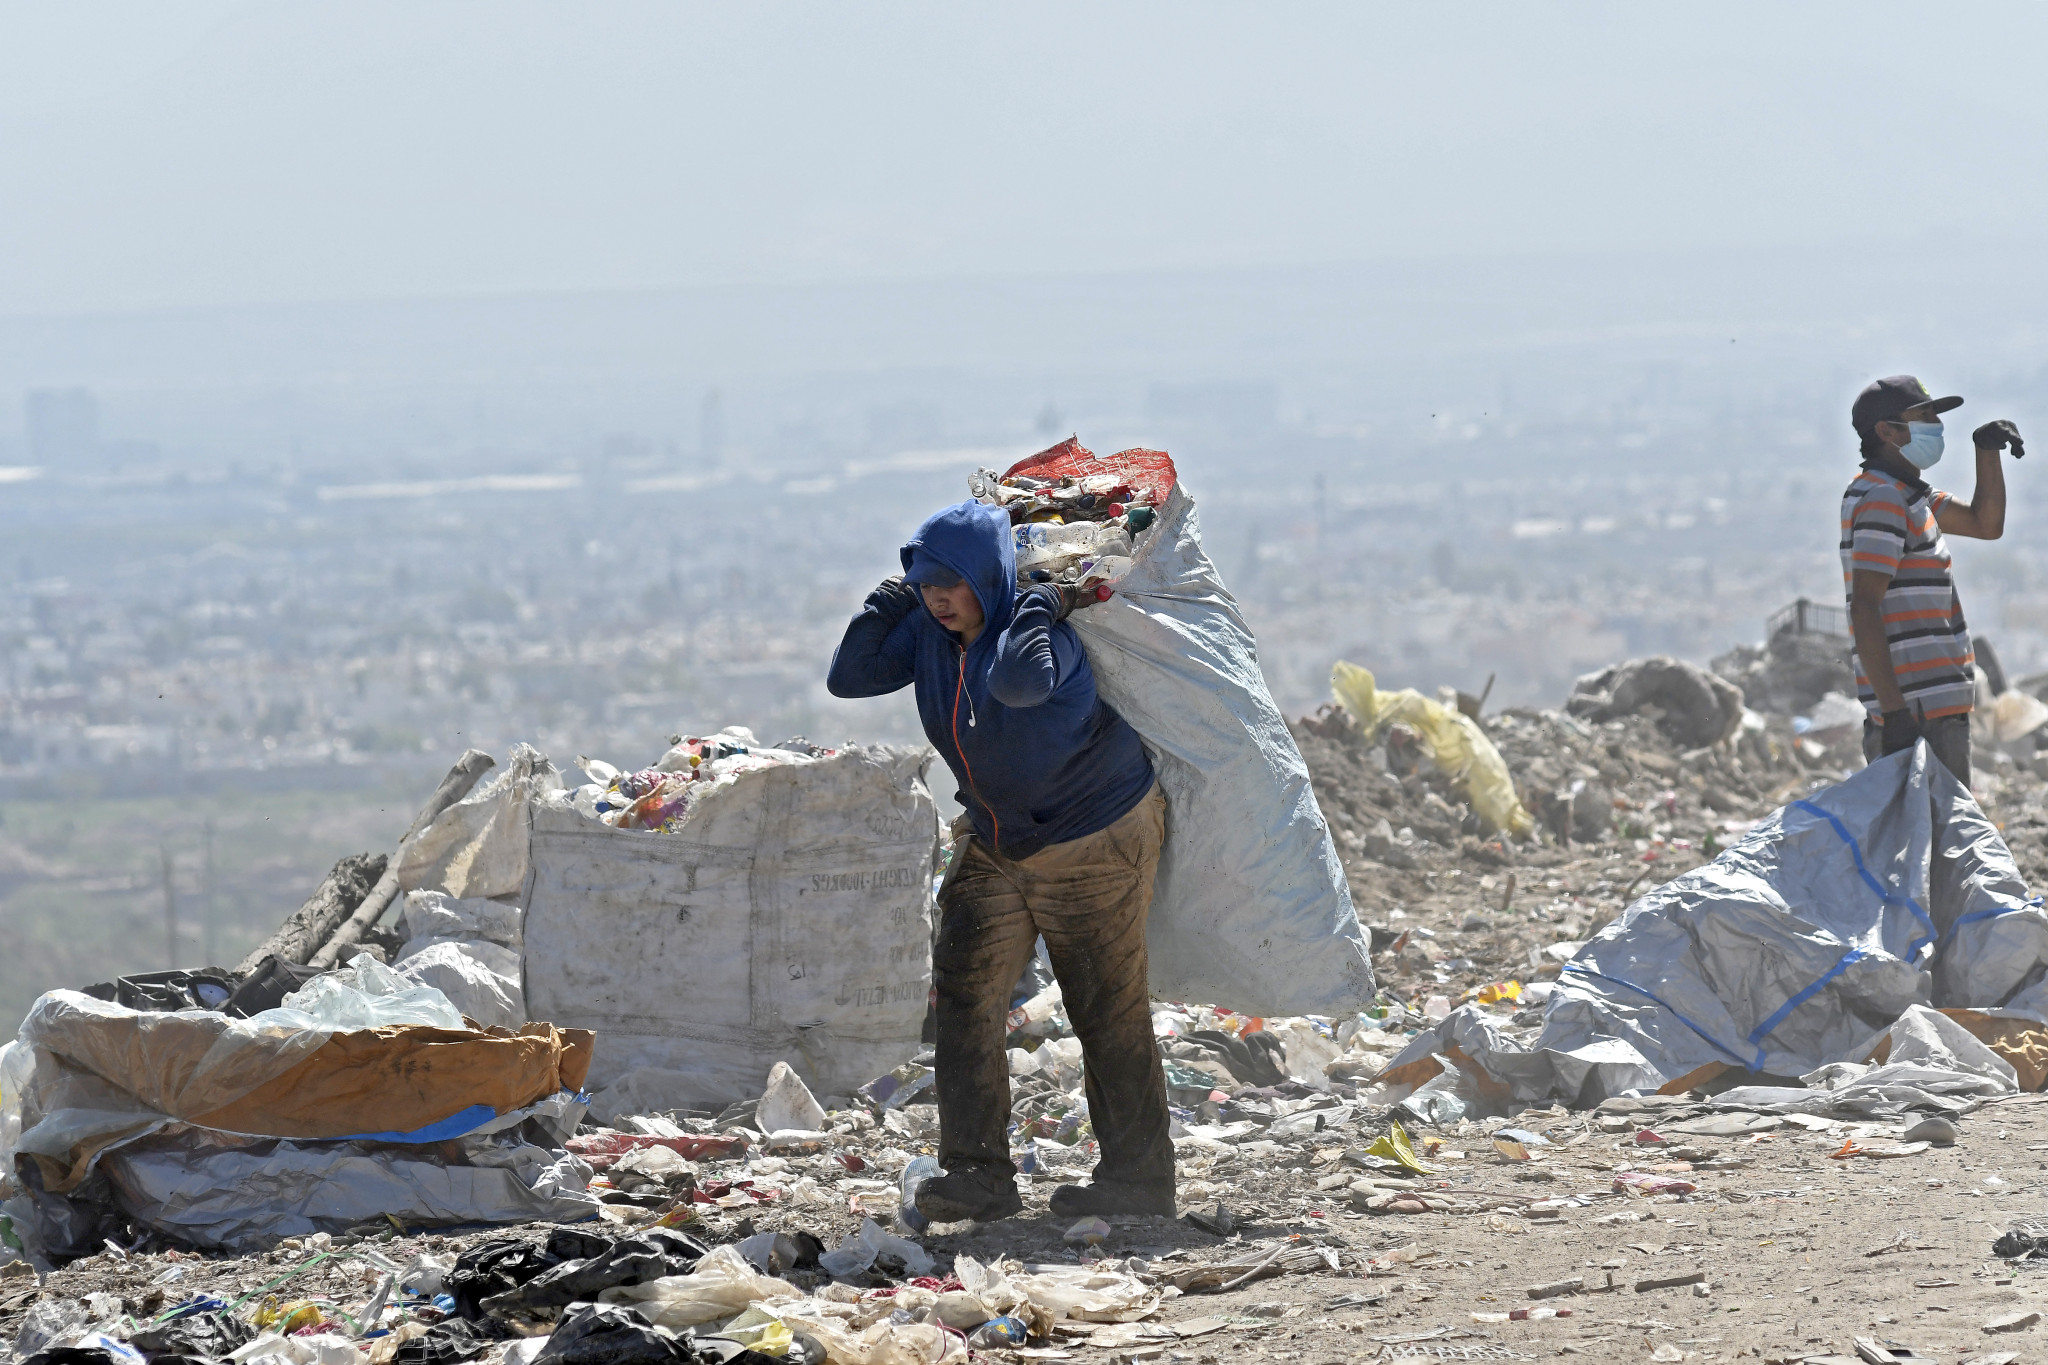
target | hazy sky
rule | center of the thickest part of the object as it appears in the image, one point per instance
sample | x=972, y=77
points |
x=203, y=151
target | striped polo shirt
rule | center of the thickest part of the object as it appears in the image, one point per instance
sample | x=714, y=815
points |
x=1889, y=527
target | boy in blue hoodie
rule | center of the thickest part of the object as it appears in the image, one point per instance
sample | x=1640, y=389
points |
x=1067, y=823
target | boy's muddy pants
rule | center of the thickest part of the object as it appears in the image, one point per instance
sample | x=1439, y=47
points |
x=1088, y=898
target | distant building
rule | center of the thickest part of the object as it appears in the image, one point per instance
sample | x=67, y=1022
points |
x=63, y=425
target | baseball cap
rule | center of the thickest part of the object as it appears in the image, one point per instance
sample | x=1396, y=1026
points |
x=1883, y=400
x=925, y=567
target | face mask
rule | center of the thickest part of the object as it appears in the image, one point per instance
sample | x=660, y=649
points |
x=1924, y=450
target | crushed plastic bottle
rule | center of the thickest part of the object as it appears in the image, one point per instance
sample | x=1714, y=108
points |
x=997, y=1333
x=914, y=1175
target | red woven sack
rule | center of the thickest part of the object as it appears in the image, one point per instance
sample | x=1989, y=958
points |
x=1148, y=472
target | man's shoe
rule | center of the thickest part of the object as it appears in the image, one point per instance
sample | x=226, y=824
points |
x=968, y=1196
x=1104, y=1198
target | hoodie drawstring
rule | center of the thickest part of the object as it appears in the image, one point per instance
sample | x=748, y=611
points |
x=959, y=691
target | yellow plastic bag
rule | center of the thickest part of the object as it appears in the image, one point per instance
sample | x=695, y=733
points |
x=757, y=1329
x=1456, y=744
x=1493, y=992
x=1396, y=1147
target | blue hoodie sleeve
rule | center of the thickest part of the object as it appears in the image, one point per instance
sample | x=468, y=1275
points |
x=1033, y=655
x=878, y=653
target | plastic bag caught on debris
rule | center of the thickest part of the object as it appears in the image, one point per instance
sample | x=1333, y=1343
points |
x=363, y=995
x=721, y=1287
x=51, y=1322
x=987, y=1283
x=479, y=978
x=870, y=1244
x=1456, y=743
x=196, y=1334
x=879, y=1343
x=1932, y=1062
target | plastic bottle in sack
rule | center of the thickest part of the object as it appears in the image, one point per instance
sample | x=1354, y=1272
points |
x=1037, y=1009
x=1046, y=544
x=914, y=1175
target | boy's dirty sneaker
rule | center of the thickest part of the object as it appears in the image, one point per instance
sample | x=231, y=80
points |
x=968, y=1196
x=1105, y=1198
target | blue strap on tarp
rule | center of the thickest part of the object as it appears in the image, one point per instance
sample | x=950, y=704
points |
x=1975, y=915
x=1842, y=964
x=1740, y=1060
x=1856, y=852
x=454, y=1126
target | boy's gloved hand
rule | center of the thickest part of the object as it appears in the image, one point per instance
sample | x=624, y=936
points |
x=1073, y=599
x=893, y=599
x=1901, y=731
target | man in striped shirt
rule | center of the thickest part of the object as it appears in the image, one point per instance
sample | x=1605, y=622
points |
x=1915, y=670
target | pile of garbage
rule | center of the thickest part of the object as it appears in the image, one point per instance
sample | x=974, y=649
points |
x=362, y=1095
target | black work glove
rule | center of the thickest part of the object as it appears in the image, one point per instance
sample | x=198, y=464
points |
x=1073, y=599
x=893, y=599
x=1994, y=435
x=1901, y=731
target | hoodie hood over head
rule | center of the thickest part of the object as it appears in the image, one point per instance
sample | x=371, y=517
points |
x=974, y=541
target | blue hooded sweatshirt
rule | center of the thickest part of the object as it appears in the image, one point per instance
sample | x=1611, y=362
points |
x=1040, y=758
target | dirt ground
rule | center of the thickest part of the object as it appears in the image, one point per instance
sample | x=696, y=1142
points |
x=1801, y=1253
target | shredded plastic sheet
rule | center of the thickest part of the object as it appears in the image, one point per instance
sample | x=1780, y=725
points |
x=1251, y=908
x=1456, y=744
x=240, y=1194
x=1887, y=891
x=1088, y=1293
x=869, y=1244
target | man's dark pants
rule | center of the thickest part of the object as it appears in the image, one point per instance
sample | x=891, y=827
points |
x=1088, y=898
x=1948, y=736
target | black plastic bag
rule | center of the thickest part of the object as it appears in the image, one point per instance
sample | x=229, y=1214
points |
x=445, y=1343
x=630, y=1260
x=504, y=1263
x=604, y=1334
x=197, y=1334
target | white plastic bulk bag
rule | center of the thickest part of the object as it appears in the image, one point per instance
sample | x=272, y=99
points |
x=1251, y=910
x=478, y=846
x=436, y=914
x=789, y=921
